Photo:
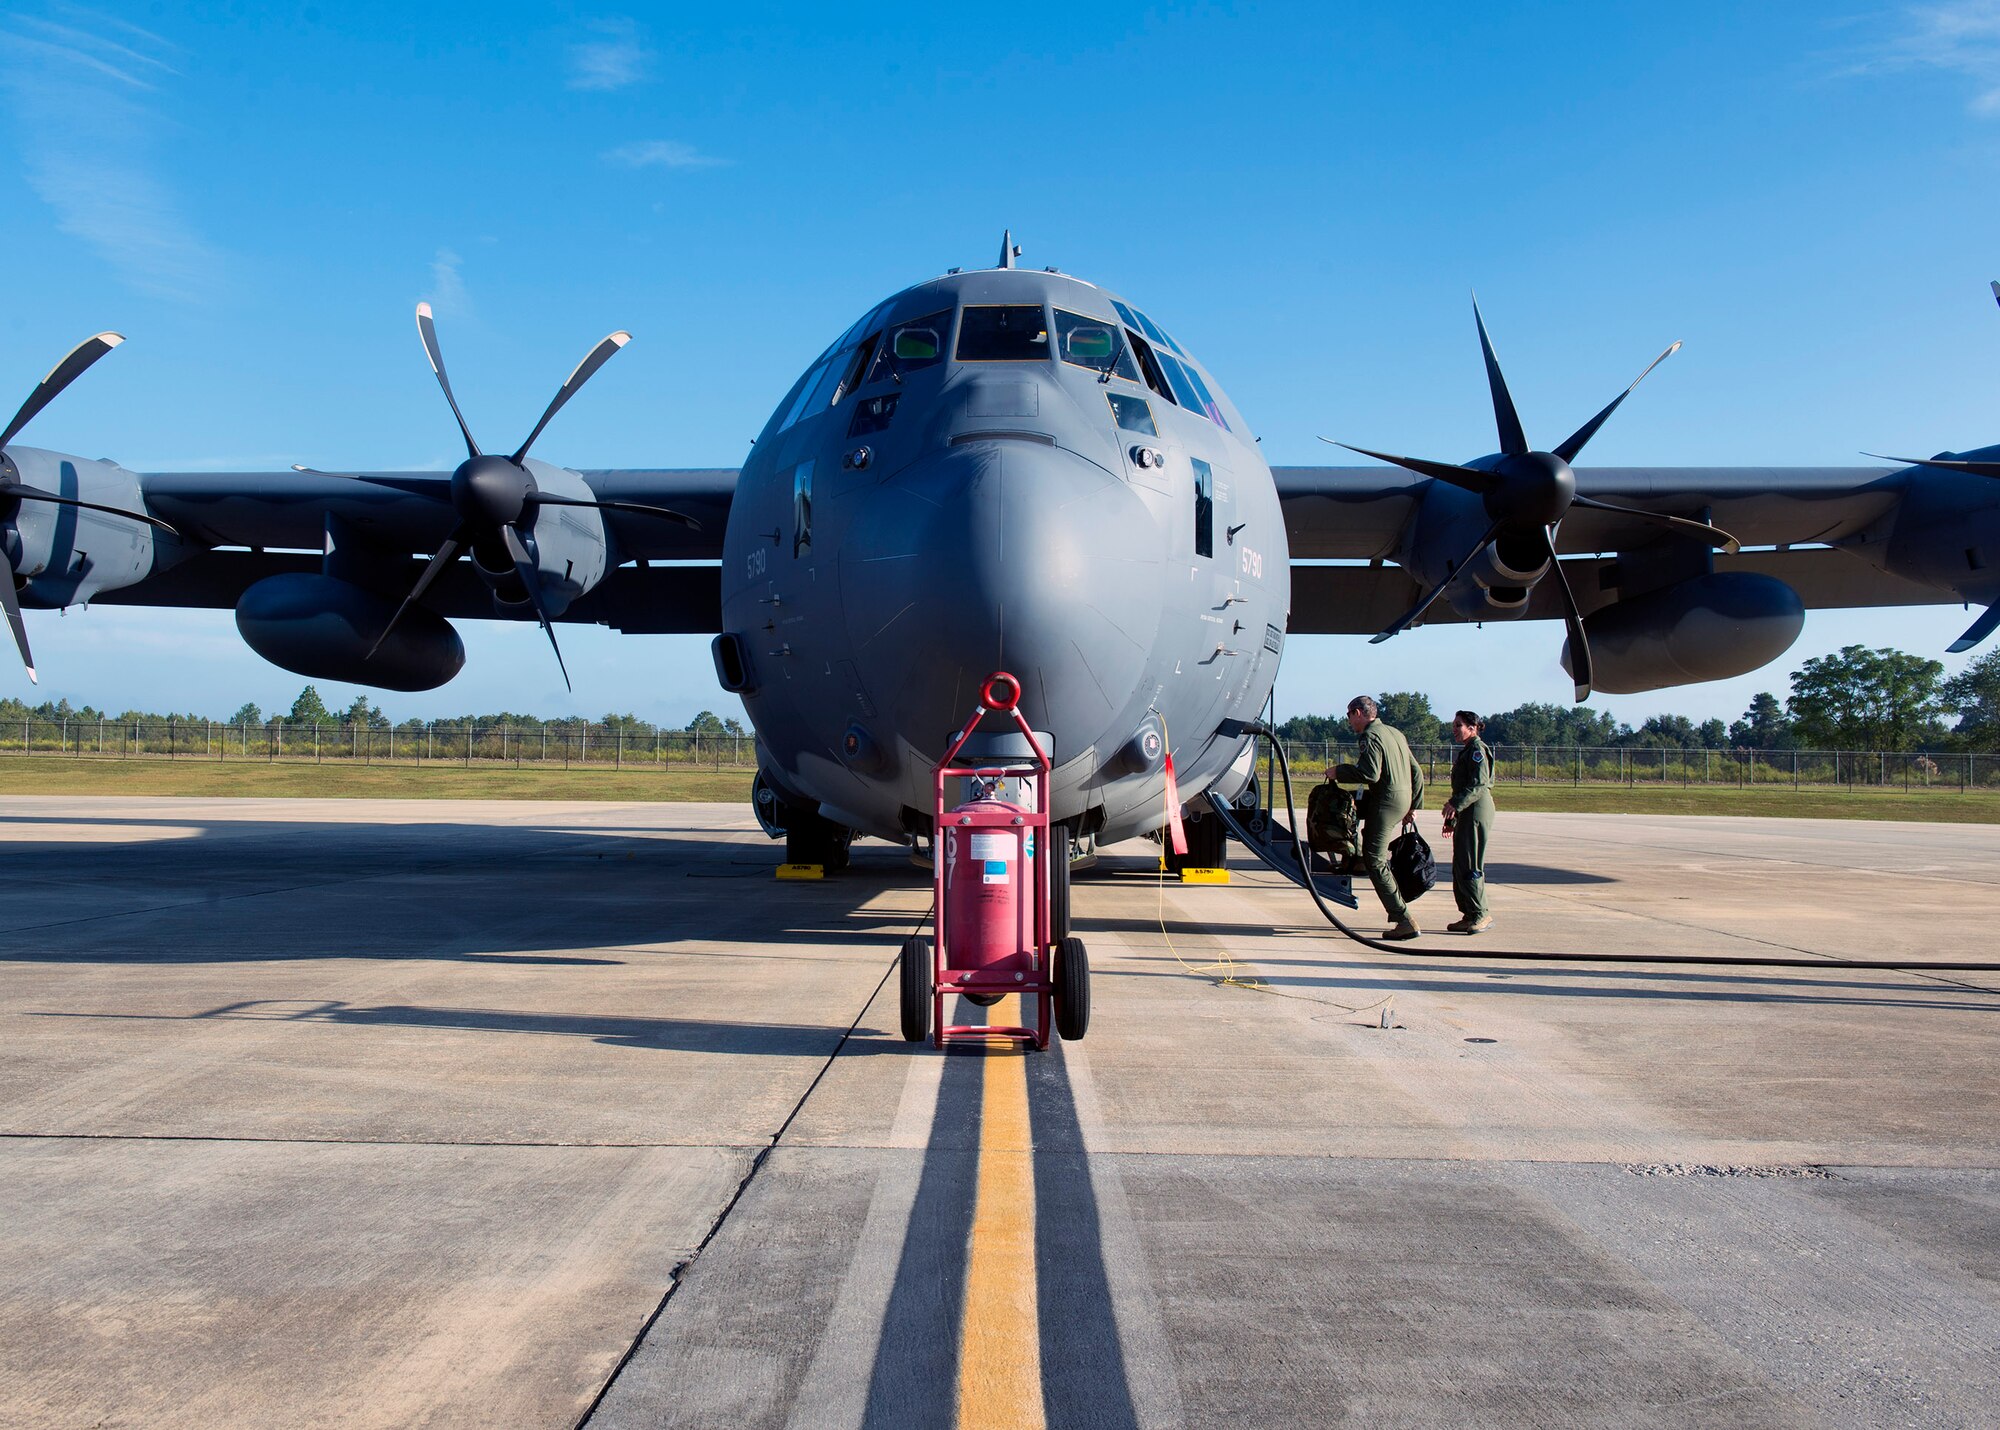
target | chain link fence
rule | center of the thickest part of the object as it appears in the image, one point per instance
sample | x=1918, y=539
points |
x=570, y=744
x=556, y=744
x=1637, y=765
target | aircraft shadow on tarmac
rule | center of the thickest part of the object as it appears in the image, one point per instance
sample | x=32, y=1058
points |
x=780, y=1040
x=461, y=893
x=1747, y=986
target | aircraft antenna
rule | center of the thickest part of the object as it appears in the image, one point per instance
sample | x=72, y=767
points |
x=1009, y=250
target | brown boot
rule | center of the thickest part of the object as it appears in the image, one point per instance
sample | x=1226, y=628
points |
x=1403, y=932
x=1478, y=925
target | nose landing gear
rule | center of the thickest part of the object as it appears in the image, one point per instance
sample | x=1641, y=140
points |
x=811, y=842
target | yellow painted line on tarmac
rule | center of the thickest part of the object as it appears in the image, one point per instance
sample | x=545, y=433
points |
x=1000, y=1347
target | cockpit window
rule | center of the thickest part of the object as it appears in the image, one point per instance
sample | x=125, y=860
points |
x=1136, y=319
x=1132, y=413
x=856, y=368
x=1208, y=402
x=1093, y=343
x=1177, y=377
x=803, y=403
x=873, y=414
x=1149, y=364
x=1003, y=332
x=911, y=347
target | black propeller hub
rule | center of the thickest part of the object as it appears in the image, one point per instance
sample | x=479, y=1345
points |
x=490, y=491
x=1534, y=489
x=1526, y=494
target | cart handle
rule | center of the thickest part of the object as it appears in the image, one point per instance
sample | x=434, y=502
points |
x=1001, y=692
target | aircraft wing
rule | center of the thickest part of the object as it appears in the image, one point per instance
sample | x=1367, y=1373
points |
x=235, y=529
x=1349, y=598
x=1839, y=536
x=1368, y=513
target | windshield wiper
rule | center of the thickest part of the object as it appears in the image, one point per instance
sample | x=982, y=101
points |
x=1110, y=363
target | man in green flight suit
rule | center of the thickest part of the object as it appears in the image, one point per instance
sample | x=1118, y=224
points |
x=1393, y=789
x=1468, y=822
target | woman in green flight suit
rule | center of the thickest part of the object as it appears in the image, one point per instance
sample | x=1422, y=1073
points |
x=1468, y=822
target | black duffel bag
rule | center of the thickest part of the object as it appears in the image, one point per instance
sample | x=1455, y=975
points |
x=1411, y=864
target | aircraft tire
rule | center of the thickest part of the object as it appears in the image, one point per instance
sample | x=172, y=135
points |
x=810, y=839
x=916, y=989
x=1072, y=990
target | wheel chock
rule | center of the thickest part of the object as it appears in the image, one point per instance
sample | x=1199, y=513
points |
x=802, y=871
x=1204, y=876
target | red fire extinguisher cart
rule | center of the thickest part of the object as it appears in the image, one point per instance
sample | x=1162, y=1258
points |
x=991, y=875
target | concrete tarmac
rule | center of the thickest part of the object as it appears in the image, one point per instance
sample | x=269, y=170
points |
x=426, y=1113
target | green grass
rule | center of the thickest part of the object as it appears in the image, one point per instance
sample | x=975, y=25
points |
x=235, y=779
x=1782, y=802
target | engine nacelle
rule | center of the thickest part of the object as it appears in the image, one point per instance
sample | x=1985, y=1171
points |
x=1707, y=628
x=1494, y=583
x=1511, y=562
x=68, y=555
x=322, y=627
x=570, y=548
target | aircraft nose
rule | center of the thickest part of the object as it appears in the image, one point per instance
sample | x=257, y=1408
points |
x=1006, y=555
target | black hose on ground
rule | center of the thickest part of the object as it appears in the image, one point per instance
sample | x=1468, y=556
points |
x=1403, y=949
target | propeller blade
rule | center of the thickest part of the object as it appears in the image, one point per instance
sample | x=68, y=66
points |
x=1429, y=598
x=1575, y=443
x=524, y=567
x=1513, y=441
x=1978, y=631
x=16, y=489
x=444, y=556
x=427, y=330
x=12, y=601
x=1684, y=526
x=1579, y=644
x=1983, y=469
x=60, y=376
x=1469, y=479
x=540, y=498
x=596, y=358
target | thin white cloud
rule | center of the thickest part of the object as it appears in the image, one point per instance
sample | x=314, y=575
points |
x=661, y=154
x=102, y=21
x=87, y=138
x=448, y=296
x=616, y=58
x=84, y=41
x=1960, y=37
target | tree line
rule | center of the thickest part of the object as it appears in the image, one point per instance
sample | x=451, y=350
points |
x=310, y=709
x=1857, y=699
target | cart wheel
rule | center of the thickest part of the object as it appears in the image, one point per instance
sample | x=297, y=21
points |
x=982, y=1000
x=1059, y=842
x=916, y=989
x=1072, y=990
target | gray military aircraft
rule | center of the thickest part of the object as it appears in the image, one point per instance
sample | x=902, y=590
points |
x=997, y=469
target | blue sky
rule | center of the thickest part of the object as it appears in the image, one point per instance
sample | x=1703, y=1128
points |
x=1303, y=193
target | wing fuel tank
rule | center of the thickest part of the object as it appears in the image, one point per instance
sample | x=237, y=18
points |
x=323, y=627
x=1710, y=627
